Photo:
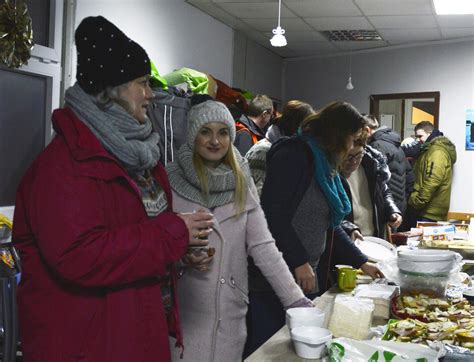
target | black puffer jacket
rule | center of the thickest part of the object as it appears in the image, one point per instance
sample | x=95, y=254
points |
x=298, y=215
x=387, y=142
x=378, y=175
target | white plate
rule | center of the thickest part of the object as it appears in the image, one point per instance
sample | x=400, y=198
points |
x=376, y=249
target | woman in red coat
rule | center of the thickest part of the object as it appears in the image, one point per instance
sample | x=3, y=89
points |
x=93, y=218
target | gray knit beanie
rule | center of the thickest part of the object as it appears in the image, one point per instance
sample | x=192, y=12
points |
x=207, y=112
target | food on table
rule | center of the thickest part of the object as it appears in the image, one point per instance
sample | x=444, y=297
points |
x=427, y=319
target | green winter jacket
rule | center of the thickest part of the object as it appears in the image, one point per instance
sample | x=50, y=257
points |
x=433, y=176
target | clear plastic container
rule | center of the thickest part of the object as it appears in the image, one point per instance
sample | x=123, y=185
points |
x=427, y=261
x=431, y=285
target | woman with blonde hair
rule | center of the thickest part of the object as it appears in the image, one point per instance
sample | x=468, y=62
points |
x=210, y=174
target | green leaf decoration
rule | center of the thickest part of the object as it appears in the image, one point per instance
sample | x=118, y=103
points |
x=16, y=34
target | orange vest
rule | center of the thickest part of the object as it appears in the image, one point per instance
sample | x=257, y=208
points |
x=240, y=127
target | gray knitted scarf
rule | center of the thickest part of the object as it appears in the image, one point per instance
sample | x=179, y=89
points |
x=134, y=144
x=185, y=182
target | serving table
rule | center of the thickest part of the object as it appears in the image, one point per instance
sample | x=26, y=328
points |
x=280, y=347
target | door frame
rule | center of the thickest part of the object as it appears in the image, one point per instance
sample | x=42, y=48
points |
x=376, y=98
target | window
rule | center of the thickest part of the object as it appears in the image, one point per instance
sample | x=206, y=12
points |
x=28, y=96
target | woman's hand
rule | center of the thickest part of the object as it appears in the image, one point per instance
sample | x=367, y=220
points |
x=199, y=258
x=372, y=270
x=199, y=225
x=356, y=235
x=395, y=220
x=305, y=277
x=301, y=303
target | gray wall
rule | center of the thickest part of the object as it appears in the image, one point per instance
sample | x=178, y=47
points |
x=256, y=68
x=393, y=107
x=448, y=68
x=174, y=33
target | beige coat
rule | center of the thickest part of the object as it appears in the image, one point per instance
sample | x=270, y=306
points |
x=213, y=304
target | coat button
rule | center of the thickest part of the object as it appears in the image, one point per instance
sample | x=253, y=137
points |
x=222, y=280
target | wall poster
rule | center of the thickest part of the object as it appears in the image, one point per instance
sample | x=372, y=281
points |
x=470, y=129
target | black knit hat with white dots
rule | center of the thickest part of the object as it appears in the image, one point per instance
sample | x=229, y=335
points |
x=106, y=57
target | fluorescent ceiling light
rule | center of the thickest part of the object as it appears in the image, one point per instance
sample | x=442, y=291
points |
x=454, y=7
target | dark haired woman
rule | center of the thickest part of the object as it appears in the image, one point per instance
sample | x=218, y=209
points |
x=303, y=200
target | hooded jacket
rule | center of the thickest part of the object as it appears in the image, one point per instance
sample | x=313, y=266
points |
x=91, y=255
x=401, y=181
x=433, y=171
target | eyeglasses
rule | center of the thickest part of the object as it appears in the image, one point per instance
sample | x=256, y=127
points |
x=355, y=158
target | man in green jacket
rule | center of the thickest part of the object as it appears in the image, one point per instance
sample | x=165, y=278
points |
x=433, y=171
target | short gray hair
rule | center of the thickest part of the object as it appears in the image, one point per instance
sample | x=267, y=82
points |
x=105, y=98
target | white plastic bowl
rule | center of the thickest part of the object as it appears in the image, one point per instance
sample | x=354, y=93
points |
x=310, y=342
x=426, y=261
x=304, y=317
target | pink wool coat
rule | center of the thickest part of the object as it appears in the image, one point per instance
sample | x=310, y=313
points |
x=213, y=304
x=91, y=255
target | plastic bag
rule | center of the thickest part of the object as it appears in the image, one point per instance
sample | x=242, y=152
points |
x=351, y=317
x=432, y=285
x=346, y=349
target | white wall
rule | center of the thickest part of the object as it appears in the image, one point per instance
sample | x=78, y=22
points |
x=256, y=68
x=173, y=33
x=448, y=68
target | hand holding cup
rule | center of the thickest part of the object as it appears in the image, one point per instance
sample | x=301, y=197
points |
x=199, y=225
x=199, y=258
x=199, y=255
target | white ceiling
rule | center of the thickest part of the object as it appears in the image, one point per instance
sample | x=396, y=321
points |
x=397, y=21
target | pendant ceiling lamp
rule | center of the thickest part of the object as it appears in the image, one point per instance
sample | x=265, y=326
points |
x=278, y=39
x=349, y=85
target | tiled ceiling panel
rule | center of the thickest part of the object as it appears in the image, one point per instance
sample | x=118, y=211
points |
x=397, y=21
x=257, y=10
x=221, y=15
x=397, y=36
x=358, y=45
x=321, y=8
x=339, y=23
x=403, y=22
x=289, y=24
x=395, y=7
x=295, y=36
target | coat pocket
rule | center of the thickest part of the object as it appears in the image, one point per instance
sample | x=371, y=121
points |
x=239, y=290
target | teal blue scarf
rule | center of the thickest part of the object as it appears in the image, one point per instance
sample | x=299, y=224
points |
x=331, y=186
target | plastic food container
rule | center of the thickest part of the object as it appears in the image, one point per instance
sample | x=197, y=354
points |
x=310, y=342
x=426, y=261
x=469, y=295
x=304, y=317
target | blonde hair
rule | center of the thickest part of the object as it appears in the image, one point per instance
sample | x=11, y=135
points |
x=240, y=181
